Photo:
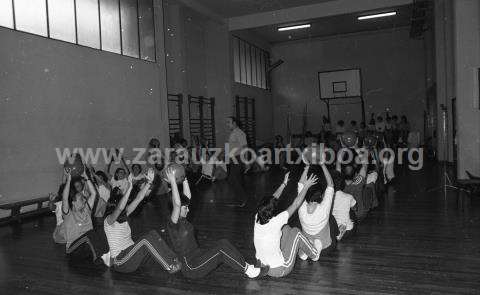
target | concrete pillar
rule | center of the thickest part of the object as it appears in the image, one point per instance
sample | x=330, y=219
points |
x=467, y=62
x=444, y=76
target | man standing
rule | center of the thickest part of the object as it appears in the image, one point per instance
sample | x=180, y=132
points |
x=237, y=141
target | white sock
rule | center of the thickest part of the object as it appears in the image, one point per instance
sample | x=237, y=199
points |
x=302, y=255
x=252, y=271
x=106, y=259
x=318, y=244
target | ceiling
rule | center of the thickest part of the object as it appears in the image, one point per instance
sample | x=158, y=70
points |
x=232, y=8
x=336, y=25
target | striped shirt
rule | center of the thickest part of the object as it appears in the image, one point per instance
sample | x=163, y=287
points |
x=119, y=237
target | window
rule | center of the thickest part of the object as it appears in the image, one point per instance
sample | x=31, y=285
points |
x=125, y=27
x=61, y=14
x=146, y=29
x=88, y=28
x=31, y=16
x=110, y=25
x=6, y=13
x=250, y=64
x=129, y=27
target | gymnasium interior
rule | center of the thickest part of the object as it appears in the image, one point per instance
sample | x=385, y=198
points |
x=109, y=74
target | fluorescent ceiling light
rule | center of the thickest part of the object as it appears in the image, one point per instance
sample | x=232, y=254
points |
x=377, y=15
x=294, y=27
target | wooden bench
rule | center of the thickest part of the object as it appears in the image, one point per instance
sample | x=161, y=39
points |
x=16, y=214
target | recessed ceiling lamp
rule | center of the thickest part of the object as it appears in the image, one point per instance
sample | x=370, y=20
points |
x=296, y=27
x=363, y=17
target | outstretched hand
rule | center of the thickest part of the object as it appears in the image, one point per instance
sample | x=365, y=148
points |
x=170, y=173
x=303, y=178
x=312, y=180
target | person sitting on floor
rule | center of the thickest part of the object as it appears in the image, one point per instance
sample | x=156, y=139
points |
x=126, y=255
x=343, y=205
x=276, y=243
x=198, y=262
x=77, y=211
x=55, y=204
x=355, y=173
x=314, y=213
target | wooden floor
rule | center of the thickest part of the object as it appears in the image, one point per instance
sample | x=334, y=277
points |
x=414, y=243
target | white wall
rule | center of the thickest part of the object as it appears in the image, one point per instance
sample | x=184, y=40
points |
x=393, y=74
x=56, y=94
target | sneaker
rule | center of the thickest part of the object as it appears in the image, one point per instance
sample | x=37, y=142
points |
x=106, y=259
x=316, y=257
x=175, y=267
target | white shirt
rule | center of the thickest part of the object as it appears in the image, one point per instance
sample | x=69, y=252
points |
x=104, y=193
x=313, y=223
x=266, y=238
x=341, y=209
x=237, y=140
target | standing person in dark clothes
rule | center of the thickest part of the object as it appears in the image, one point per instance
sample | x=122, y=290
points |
x=237, y=141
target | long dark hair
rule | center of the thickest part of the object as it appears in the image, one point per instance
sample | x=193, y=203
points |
x=315, y=193
x=115, y=197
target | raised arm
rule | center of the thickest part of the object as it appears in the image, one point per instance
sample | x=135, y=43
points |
x=177, y=203
x=66, y=192
x=109, y=166
x=282, y=186
x=338, y=165
x=142, y=193
x=327, y=174
x=303, y=177
x=186, y=189
x=91, y=189
x=120, y=206
x=301, y=196
x=327, y=200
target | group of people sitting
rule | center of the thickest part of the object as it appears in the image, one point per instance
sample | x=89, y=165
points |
x=391, y=130
x=94, y=209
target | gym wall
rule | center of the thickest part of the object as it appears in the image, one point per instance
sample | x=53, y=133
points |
x=56, y=94
x=393, y=74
